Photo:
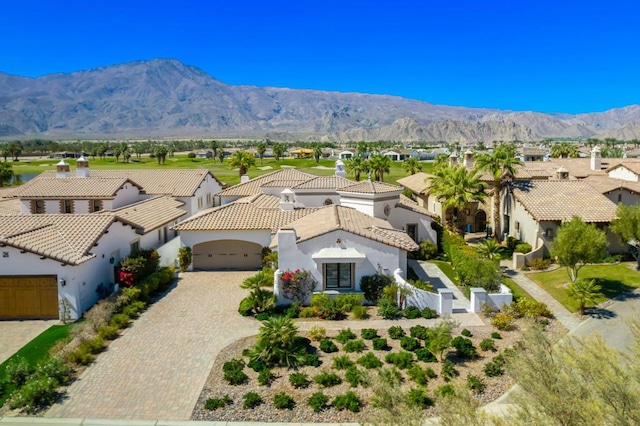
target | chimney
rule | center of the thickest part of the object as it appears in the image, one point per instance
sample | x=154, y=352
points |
x=62, y=169
x=82, y=167
x=562, y=173
x=340, y=171
x=596, y=159
x=468, y=159
x=453, y=159
x=244, y=178
x=287, y=200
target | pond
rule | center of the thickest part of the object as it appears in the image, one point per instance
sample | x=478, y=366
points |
x=22, y=177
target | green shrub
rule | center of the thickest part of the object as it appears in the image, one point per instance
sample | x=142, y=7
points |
x=53, y=368
x=263, y=316
x=317, y=333
x=279, y=343
x=412, y=312
x=282, y=401
x=503, y=321
x=419, y=332
x=34, y=393
x=388, y=309
x=475, y=383
x=326, y=307
x=428, y=313
x=529, y=308
x=360, y=312
x=120, y=320
x=449, y=371
x=356, y=377
x=425, y=355
x=257, y=365
x=418, y=375
x=466, y=333
x=108, y=332
x=214, y=403
x=293, y=310
x=402, y=360
x=312, y=360
x=523, y=248
x=380, y=344
x=464, y=348
x=422, y=285
x=266, y=377
x=251, y=400
x=342, y=362
x=80, y=356
x=487, y=345
x=445, y=390
x=539, y=264
x=369, y=361
x=346, y=302
x=327, y=380
x=318, y=401
x=496, y=335
x=345, y=335
x=327, y=346
x=369, y=333
x=233, y=372
x=184, y=258
x=354, y=346
x=18, y=370
x=299, y=380
x=373, y=285
x=418, y=398
x=395, y=332
x=494, y=368
x=308, y=312
x=428, y=250
x=409, y=343
x=348, y=401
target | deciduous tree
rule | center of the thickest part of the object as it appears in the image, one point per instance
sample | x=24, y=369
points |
x=627, y=227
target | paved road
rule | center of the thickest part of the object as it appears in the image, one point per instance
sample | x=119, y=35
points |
x=16, y=334
x=157, y=368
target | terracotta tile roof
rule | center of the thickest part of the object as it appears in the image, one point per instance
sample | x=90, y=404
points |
x=175, y=182
x=9, y=206
x=408, y=204
x=634, y=166
x=72, y=187
x=605, y=184
x=286, y=177
x=333, y=218
x=563, y=199
x=67, y=238
x=150, y=214
x=417, y=183
x=244, y=215
x=6, y=192
x=324, y=182
x=370, y=187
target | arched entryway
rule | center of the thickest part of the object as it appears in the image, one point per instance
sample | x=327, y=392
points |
x=227, y=254
x=480, y=221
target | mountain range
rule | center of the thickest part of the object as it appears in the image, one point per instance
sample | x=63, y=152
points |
x=163, y=98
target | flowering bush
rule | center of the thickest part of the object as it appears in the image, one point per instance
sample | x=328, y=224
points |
x=139, y=265
x=297, y=285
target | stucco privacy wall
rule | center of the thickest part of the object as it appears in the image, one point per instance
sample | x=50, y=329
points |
x=400, y=218
x=379, y=257
x=417, y=297
x=82, y=281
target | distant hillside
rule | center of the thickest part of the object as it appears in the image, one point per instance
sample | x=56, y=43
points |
x=164, y=98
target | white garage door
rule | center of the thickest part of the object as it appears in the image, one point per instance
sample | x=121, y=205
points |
x=227, y=254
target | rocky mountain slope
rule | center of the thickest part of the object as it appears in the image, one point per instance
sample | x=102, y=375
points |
x=164, y=98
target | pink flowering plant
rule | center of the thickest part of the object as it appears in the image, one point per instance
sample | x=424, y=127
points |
x=297, y=285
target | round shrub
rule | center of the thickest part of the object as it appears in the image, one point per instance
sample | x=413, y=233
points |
x=18, y=370
x=215, y=403
x=419, y=332
x=369, y=361
x=53, y=368
x=266, y=377
x=464, y=348
x=354, y=346
x=412, y=312
x=327, y=380
x=317, y=333
x=487, y=345
x=282, y=401
x=345, y=335
x=387, y=309
x=34, y=393
x=360, y=312
x=445, y=390
x=418, y=375
x=466, y=333
x=373, y=285
x=342, y=362
x=356, y=377
x=327, y=346
x=108, y=332
x=348, y=401
x=475, y=383
x=425, y=355
x=380, y=344
x=428, y=313
x=312, y=360
x=496, y=335
x=299, y=380
x=449, y=370
x=318, y=401
x=409, y=343
x=395, y=332
x=503, y=321
x=251, y=400
x=402, y=360
x=418, y=398
x=368, y=333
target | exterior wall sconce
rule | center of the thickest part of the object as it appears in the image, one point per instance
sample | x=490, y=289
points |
x=467, y=211
x=62, y=282
x=338, y=241
x=111, y=260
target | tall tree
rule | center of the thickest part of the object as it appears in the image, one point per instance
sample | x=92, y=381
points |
x=241, y=160
x=412, y=166
x=564, y=150
x=576, y=244
x=6, y=173
x=15, y=149
x=161, y=153
x=497, y=164
x=278, y=150
x=455, y=187
x=214, y=145
x=261, y=149
x=627, y=227
x=379, y=165
x=317, y=153
x=357, y=166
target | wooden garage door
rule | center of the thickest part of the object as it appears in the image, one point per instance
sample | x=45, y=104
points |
x=227, y=254
x=33, y=297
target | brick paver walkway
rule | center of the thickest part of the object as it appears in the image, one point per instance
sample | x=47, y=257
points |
x=16, y=334
x=157, y=368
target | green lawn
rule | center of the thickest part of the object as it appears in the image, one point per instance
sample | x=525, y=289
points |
x=516, y=290
x=221, y=171
x=614, y=280
x=447, y=269
x=33, y=352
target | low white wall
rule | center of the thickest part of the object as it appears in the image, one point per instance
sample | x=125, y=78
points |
x=419, y=298
x=497, y=301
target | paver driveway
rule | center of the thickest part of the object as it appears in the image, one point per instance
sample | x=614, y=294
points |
x=16, y=334
x=158, y=367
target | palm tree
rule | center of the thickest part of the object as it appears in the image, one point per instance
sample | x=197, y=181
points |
x=412, y=166
x=279, y=150
x=455, y=187
x=564, y=150
x=584, y=291
x=357, y=166
x=241, y=160
x=161, y=154
x=261, y=148
x=214, y=145
x=490, y=249
x=6, y=173
x=379, y=165
x=317, y=153
x=497, y=164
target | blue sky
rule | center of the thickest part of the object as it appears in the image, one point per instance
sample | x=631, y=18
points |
x=549, y=56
